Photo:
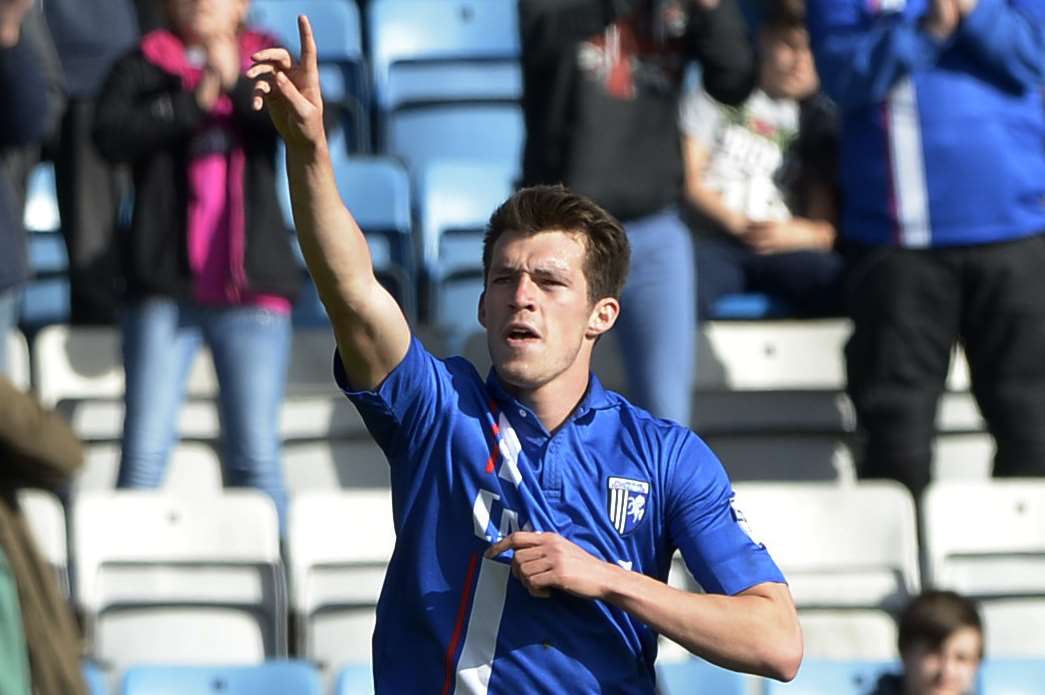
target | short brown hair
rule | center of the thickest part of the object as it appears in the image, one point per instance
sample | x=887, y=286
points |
x=784, y=15
x=555, y=208
x=934, y=616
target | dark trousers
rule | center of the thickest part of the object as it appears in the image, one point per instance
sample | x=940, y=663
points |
x=909, y=308
x=809, y=281
x=89, y=193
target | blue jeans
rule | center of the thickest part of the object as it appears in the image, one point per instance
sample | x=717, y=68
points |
x=8, y=322
x=657, y=325
x=250, y=347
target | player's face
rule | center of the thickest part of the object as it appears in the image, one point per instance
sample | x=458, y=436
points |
x=948, y=670
x=535, y=308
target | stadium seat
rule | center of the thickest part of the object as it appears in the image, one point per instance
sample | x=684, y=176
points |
x=168, y=579
x=352, y=462
x=850, y=555
x=356, y=679
x=45, y=298
x=342, y=64
x=193, y=468
x=1012, y=676
x=697, y=677
x=489, y=132
x=456, y=199
x=18, y=360
x=270, y=678
x=749, y=307
x=473, y=57
x=339, y=544
x=41, y=200
x=94, y=677
x=45, y=516
x=821, y=677
x=986, y=539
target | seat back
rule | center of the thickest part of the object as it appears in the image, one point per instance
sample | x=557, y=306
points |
x=152, y=568
x=46, y=519
x=18, y=360
x=850, y=554
x=986, y=539
x=694, y=676
x=339, y=547
x=818, y=677
x=270, y=678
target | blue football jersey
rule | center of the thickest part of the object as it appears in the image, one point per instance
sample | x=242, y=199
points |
x=470, y=465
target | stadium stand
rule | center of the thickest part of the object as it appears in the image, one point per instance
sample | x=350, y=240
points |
x=1012, y=677
x=850, y=553
x=819, y=677
x=697, y=677
x=986, y=540
x=343, y=68
x=339, y=544
x=46, y=519
x=271, y=678
x=165, y=579
x=18, y=360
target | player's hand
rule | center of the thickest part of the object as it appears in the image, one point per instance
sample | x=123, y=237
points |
x=291, y=90
x=546, y=561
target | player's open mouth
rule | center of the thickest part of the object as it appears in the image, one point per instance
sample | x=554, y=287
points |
x=520, y=334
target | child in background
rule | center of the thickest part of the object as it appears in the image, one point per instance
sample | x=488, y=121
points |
x=760, y=179
x=941, y=646
x=207, y=258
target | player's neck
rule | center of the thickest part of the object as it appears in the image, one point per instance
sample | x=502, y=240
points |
x=554, y=401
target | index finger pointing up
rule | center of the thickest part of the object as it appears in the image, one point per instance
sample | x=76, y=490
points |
x=308, y=42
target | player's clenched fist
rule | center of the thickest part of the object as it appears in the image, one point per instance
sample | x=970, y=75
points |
x=546, y=561
x=291, y=90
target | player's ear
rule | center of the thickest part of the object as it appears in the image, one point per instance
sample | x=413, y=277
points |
x=482, y=309
x=603, y=315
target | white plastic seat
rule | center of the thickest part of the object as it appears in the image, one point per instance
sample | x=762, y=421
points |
x=339, y=544
x=172, y=579
x=329, y=465
x=17, y=360
x=849, y=553
x=46, y=519
x=194, y=468
x=986, y=539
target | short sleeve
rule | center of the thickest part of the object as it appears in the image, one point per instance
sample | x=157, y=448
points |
x=700, y=117
x=708, y=530
x=404, y=411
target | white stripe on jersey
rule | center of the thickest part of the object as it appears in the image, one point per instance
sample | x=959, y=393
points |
x=480, y=643
x=905, y=145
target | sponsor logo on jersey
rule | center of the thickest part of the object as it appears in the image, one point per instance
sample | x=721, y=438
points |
x=627, y=503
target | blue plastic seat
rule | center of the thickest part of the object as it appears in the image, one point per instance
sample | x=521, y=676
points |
x=355, y=679
x=477, y=41
x=1012, y=677
x=698, y=677
x=488, y=132
x=271, y=678
x=95, y=679
x=823, y=677
x=45, y=298
x=749, y=307
x=344, y=76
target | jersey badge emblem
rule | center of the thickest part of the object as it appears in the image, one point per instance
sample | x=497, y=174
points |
x=627, y=503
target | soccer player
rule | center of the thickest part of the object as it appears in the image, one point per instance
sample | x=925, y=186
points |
x=536, y=513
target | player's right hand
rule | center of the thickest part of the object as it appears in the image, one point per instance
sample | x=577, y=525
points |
x=291, y=90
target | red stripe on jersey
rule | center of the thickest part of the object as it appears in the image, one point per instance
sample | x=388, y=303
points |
x=455, y=639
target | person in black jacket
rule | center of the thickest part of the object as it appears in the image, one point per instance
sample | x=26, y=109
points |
x=31, y=105
x=207, y=256
x=601, y=85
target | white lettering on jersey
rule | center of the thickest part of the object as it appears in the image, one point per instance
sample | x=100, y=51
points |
x=510, y=448
x=482, y=508
x=476, y=662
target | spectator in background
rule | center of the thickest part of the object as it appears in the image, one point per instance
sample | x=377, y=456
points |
x=89, y=35
x=943, y=177
x=764, y=203
x=601, y=86
x=208, y=258
x=32, y=103
x=941, y=646
x=40, y=645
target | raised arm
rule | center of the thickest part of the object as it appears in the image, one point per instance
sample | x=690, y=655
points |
x=372, y=333
x=1008, y=41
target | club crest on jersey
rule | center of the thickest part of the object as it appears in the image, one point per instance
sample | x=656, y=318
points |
x=627, y=503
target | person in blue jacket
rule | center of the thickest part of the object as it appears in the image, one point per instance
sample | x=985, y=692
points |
x=943, y=178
